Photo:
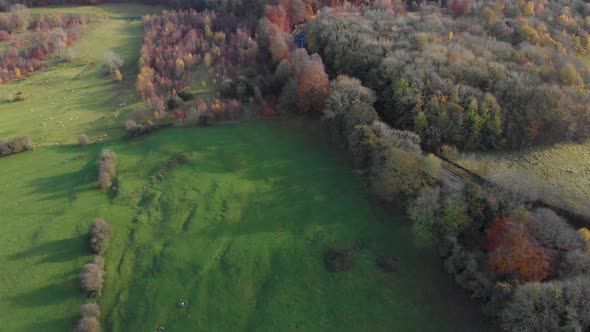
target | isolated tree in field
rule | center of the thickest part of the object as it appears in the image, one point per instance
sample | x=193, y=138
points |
x=83, y=139
x=112, y=60
x=99, y=233
x=107, y=169
x=514, y=251
x=92, y=279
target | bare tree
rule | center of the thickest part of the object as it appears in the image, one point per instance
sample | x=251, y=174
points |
x=92, y=279
x=99, y=233
x=112, y=60
x=90, y=310
x=88, y=324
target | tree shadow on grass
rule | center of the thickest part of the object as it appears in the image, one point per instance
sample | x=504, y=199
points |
x=63, y=324
x=69, y=184
x=56, y=251
x=47, y=295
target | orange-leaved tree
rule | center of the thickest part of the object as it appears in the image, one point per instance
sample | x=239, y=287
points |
x=513, y=251
x=313, y=88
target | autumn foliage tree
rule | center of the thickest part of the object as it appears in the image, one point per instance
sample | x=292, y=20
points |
x=313, y=88
x=513, y=251
x=461, y=7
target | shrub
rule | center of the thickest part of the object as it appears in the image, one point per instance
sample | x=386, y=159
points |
x=107, y=169
x=83, y=140
x=338, y=260
x=15, y=145
x=88, y=324
x=90, y=310
x=92, y=279
x=99, y=234
x=133, y=129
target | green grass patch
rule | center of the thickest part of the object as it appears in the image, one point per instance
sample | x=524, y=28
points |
x=238, y=228
x=560, y=174
x=66, y=100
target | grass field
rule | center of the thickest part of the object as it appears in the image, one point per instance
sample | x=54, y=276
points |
x=70, y=99
x=239, y=230
x=560, y=173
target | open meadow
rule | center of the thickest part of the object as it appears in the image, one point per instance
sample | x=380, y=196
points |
x=238, y=228
x=558, y=174
x=69, y=99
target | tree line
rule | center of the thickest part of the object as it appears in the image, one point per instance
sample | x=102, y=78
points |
x=501, y=74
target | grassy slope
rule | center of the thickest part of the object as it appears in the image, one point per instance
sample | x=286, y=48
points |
x=79, y=96
x=560, y=174
x=239, y=231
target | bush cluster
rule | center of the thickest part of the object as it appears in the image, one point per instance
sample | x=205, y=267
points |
x=134, y=129
x=92, y=277
x=15, y=145
x=99, y=234
x=107, y=169
x=89, y=318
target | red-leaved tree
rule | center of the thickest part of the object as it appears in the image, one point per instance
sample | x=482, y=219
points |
x=513, y=251
x=461, y=7
x=313, y=88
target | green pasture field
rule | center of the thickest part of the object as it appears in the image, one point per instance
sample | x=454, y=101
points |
x=66, y=100
x=239, y=230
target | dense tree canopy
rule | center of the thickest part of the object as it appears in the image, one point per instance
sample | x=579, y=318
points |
x=506, y=73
